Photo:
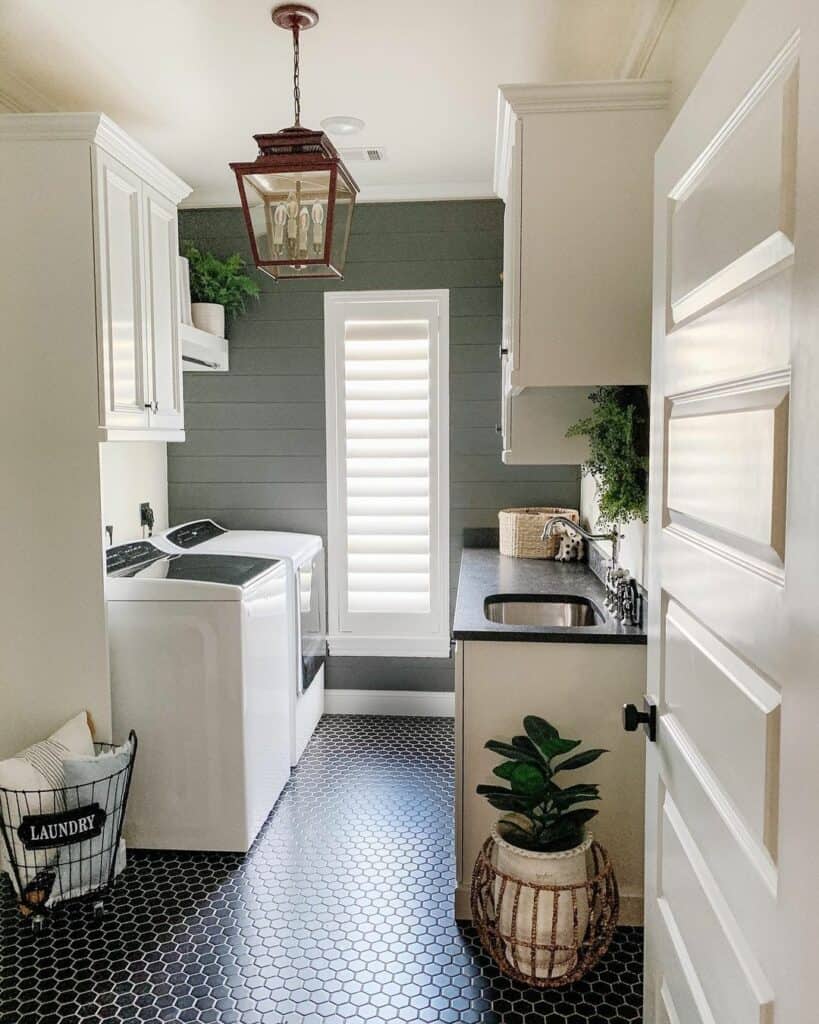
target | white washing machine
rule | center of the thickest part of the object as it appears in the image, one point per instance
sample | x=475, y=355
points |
x=304, y=554
x=200, y=669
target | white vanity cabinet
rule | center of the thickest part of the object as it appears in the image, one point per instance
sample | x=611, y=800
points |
x=580, y=688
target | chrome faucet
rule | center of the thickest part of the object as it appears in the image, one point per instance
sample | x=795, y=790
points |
x=622, y=596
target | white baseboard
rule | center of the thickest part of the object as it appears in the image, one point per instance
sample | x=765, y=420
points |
x=389, y=702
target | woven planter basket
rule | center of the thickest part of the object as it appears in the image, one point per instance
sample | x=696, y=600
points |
x=522, y=528
x=506, y=912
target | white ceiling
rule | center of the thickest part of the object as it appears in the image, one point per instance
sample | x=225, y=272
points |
x=193, y=80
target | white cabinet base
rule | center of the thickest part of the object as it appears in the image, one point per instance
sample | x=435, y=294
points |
x=580, y=688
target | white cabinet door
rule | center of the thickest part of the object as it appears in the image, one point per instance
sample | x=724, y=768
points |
x=511, y=257
x=124, y=386
x=161, y=310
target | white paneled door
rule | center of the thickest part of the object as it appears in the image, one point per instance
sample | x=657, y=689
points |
x=732, y=816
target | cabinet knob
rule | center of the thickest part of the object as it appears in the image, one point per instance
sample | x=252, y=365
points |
x=153, y=406
x=633, y=718
x=498, y=428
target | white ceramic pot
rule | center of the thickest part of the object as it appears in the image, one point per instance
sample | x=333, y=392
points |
x=210, y=317
x=565, y=868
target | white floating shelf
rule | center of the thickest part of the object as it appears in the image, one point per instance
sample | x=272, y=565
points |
x=202, y=352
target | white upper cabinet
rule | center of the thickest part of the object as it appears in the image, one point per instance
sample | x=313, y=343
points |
x=574, y=165
x=511, y=254
x=123, y=313
x=137, y=242
x=161, y=250
x=124, y=384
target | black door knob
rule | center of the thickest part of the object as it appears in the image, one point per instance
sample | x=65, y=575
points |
x=633, y=717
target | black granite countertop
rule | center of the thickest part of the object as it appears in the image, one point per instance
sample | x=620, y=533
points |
x=485, y=572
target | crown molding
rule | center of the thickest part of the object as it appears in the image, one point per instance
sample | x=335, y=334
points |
x=505, y=130
x=203, y=199
x=565, y=97
x=99, y=130
x=520, y=101
x=652, y=24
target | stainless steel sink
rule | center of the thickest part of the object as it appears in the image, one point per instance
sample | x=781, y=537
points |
x=542, y=610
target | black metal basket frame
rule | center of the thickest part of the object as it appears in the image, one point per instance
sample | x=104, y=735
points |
x=35, y=875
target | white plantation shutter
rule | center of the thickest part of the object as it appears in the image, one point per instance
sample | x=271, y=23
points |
x=387, y=462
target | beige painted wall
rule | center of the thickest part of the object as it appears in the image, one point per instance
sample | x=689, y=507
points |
x=53, y=649
x=694, y=30
x=132, y=472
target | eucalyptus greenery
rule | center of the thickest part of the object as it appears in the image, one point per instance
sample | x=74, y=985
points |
x=222, y=281
x=543, y=816
x=618, y=451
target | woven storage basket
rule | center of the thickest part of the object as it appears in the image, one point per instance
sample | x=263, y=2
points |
x=522, y=528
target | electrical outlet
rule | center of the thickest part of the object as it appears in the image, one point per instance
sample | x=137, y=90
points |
x=146, y=515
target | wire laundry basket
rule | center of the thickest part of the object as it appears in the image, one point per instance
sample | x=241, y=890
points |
x=63, y=845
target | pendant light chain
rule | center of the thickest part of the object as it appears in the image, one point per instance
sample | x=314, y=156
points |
x=296, y=88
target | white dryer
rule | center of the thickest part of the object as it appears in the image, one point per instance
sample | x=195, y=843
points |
x=200, y=669
x=304, y=555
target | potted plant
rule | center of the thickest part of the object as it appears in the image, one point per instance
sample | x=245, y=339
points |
x=219, y=288
x=543, y=839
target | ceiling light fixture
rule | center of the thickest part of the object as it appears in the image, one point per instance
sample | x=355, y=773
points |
x=342, y=125
x=297, y=195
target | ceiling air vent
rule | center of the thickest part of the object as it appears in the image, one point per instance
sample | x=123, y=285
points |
x=363, y=154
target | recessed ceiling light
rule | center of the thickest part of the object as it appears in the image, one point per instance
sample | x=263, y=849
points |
x=342, y=125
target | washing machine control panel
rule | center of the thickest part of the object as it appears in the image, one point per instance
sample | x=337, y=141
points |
x=126, y=556
x=191, y=534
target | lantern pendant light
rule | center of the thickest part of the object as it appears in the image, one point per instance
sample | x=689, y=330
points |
x=297, y=195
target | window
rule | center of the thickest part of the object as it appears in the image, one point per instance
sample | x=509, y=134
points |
x=387, y=380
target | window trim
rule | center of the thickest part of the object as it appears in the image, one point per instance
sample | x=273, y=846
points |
x=436, y=642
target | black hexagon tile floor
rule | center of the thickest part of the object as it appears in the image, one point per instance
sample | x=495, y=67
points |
x=340, y=914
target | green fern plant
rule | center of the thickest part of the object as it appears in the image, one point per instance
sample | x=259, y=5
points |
x=542, y=815
x=617, y=430
x=222, y=281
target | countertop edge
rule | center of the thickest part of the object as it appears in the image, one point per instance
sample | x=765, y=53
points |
x=510, y=634
x=484, y=572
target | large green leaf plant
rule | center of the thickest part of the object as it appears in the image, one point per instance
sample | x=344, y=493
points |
x=221, y=281
x=542, y=815
x=617, y=429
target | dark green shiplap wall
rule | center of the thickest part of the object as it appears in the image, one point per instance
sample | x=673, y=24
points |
x=254, y=456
